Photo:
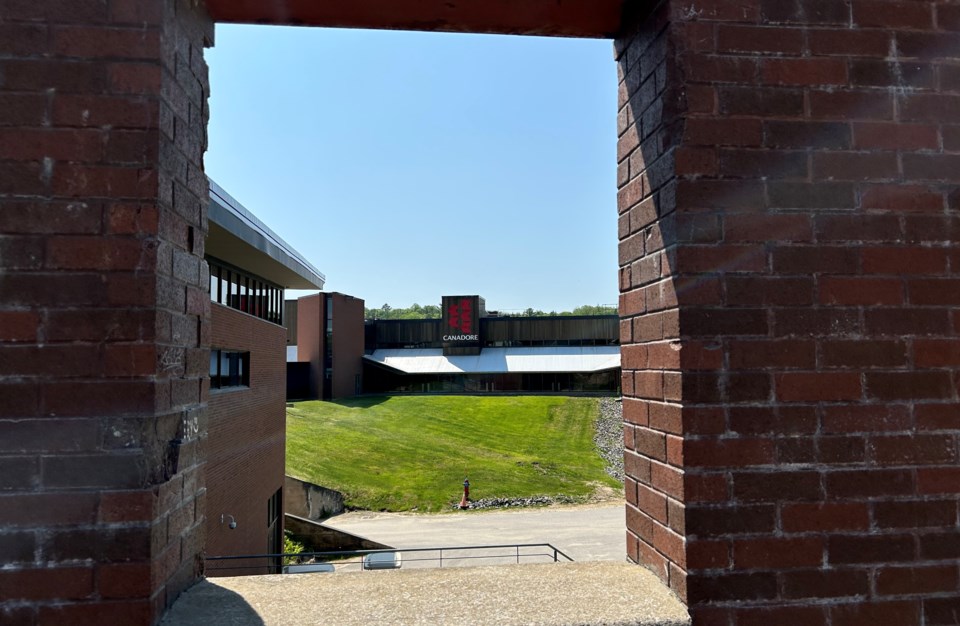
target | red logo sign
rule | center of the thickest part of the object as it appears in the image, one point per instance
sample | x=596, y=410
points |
x=460, y=316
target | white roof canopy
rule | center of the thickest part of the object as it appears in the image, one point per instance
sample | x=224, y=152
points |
x=501, y=360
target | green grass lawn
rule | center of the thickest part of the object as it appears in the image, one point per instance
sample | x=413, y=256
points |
x=398, y=453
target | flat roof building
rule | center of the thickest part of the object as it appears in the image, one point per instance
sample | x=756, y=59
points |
x=465, y=351
x=546, y=354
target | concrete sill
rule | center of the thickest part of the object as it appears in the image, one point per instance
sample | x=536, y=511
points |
x=569, y=593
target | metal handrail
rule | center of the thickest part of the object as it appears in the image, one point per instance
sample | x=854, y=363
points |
x=343, y=556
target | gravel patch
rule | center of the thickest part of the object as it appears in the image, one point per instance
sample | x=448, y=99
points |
x=609, y=436
x=506, y=503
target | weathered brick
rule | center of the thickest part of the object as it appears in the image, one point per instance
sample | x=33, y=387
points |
x=733, y=587
x=903, y=198
x=861, y=483
x=761, y=101
x=817, y=322
x=825, y=583
x=116, y=612
x=815, y=260
x=873, y=73
x=858, y=166
x=866, y=418
x=731, y=258
x=915, y=514
x=854, y=614
x=66, y=76
x=909, y=385
x=79, y=163
x=870, y=549
x=805, y=12
x=816, y=71
x=778, y=553
x=19, y=473
x=798, y=135
x=905, y=260
x=822, y=195
x=900, y=14
x=850, y=104
x=815, y=386
x=759, y=487
x=945, y=480
x=826, y=516
x=915, y=580
x=66, y=583
x=723, y=132
x=759, y=39
x=847, y=42
x=940, y=545
x=728, y=452
x=844, y=291
x=47, y=509
x=927, y=449
x=16, y=326
x=17, y=546
x=763, y=164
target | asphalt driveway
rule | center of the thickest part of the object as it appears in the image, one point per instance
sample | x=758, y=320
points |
x=585, y=533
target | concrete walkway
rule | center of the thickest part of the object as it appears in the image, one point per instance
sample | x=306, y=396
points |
x=573, y=593
x=598, y=592
x=585, y=533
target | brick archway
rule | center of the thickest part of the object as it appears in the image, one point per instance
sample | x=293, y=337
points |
x=788, y=267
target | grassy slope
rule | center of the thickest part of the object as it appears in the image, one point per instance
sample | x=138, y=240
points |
x=404, y=452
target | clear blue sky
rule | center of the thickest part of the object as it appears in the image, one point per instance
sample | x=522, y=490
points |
x=406, y=166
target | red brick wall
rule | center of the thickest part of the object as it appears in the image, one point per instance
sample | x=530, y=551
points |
x=348, y=334
x=347, y=344
x=649, y=327
x=245, y=444
x=102, y=312
x=790, y=360
x=788, y=199
x=310, y=337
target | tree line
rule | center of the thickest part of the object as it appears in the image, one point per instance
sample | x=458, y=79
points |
x=432, y=311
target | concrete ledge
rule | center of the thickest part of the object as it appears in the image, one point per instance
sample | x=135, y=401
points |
x=319, y=538
x=571, y=593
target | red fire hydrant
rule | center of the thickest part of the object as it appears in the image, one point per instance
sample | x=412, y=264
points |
x=465, y=500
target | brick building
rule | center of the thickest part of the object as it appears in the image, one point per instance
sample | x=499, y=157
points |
x=789, y=231
x=468, y=351
x=338, y=354
x=329, y=337
x=249, y=268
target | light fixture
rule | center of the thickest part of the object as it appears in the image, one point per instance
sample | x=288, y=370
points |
x=233, y=522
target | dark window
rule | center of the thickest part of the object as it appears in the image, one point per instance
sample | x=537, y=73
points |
x=229, y=369
x=214, y=283
x=245, y=292
x=327, y=390
x=273, y=508
x=275, y=529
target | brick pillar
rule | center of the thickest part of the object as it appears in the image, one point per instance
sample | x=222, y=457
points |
x=790, y=275
x=103, y=307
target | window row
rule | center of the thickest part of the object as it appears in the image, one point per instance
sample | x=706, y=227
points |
x=229, y=369
x=245, y=292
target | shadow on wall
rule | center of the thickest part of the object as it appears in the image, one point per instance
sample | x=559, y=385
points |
x=208, y=603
